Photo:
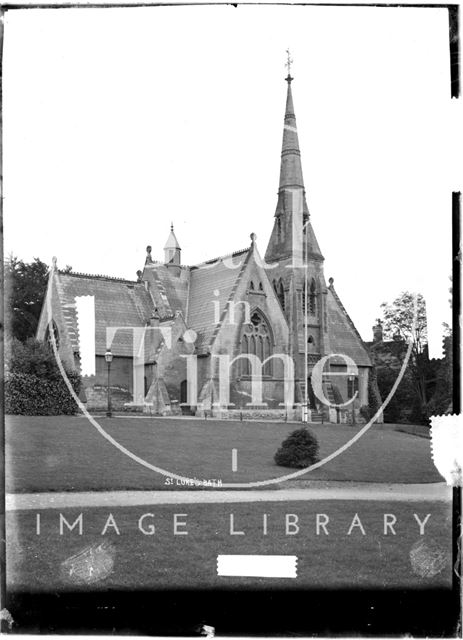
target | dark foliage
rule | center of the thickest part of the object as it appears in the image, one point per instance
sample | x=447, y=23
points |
x=299, y=450
x=366, y=412
x=33, y=382
x=25, y=287
x=442, y=398
x=29, y=395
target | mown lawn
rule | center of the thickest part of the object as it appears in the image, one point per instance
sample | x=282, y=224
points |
x=164, y=560
x=68, y=454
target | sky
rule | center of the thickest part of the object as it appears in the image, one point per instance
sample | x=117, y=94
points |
x=118, y=122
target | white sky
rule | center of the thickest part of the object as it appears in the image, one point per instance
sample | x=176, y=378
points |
x=117, y=121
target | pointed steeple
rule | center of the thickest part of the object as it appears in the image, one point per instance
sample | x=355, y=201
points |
x=172, y=248
x=288, y=238
x=290, y=168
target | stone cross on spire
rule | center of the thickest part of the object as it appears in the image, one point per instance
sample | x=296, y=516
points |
x=288, y=63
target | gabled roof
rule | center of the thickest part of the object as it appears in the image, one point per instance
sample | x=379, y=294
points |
x=344, y=337
x=211, y=281
x=118, y=303
x=313, y=248
x=169, y=288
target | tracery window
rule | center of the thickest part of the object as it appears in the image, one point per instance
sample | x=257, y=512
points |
x=256, y=340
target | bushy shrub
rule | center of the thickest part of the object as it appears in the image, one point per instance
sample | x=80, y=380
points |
x=32, y=358
x=33, y=382
x=29, y=395
x=299, y=450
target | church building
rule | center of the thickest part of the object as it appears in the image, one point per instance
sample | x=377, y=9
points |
x=238, y=334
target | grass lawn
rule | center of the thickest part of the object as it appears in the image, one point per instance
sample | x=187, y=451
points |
x=130, y=559
x=68, y=454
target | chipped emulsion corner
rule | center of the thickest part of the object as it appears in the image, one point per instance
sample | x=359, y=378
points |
x=447, y=447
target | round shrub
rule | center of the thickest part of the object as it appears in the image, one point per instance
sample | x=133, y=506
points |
x=299, y=450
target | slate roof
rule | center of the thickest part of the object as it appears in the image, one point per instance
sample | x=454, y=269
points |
x=175, y=288
x=313, y=248
x=344, y=337
x=205, y=279
x=118, y=302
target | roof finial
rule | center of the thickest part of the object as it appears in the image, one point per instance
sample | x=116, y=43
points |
x=288, y=63
x=171, y=226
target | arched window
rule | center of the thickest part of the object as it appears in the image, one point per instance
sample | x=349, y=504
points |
x=278, y=229
x=252, y=345
x=310, y=344
x=313, y=298
x=261, y=288
x=48, y=337
x=251, y=285
x=256, y=340
x=183, y=391
x=281, y=294
x=352, y=386
x=267, y=353
x=260, y=347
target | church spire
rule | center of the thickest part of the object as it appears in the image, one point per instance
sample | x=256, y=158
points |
x=290, y=167
x=292, y=228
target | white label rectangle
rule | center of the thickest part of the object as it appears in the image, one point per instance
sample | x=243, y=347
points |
x=253, y=566
x=85, y=309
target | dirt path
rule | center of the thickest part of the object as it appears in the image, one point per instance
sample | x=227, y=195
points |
x=366, y=491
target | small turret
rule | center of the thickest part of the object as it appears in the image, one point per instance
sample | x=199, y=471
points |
x=172, y=249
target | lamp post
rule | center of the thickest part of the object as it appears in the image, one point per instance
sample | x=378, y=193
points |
x=109, y=358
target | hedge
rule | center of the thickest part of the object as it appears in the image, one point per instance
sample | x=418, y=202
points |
x=29, y=395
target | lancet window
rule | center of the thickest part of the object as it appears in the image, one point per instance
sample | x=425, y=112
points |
x=312, y=298
x=48, y=337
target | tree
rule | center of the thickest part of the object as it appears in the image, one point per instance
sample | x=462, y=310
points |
x=406, y=324
x=442, y=399
x=25, y=287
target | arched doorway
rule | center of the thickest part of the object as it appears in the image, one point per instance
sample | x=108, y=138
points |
x=183, y=392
